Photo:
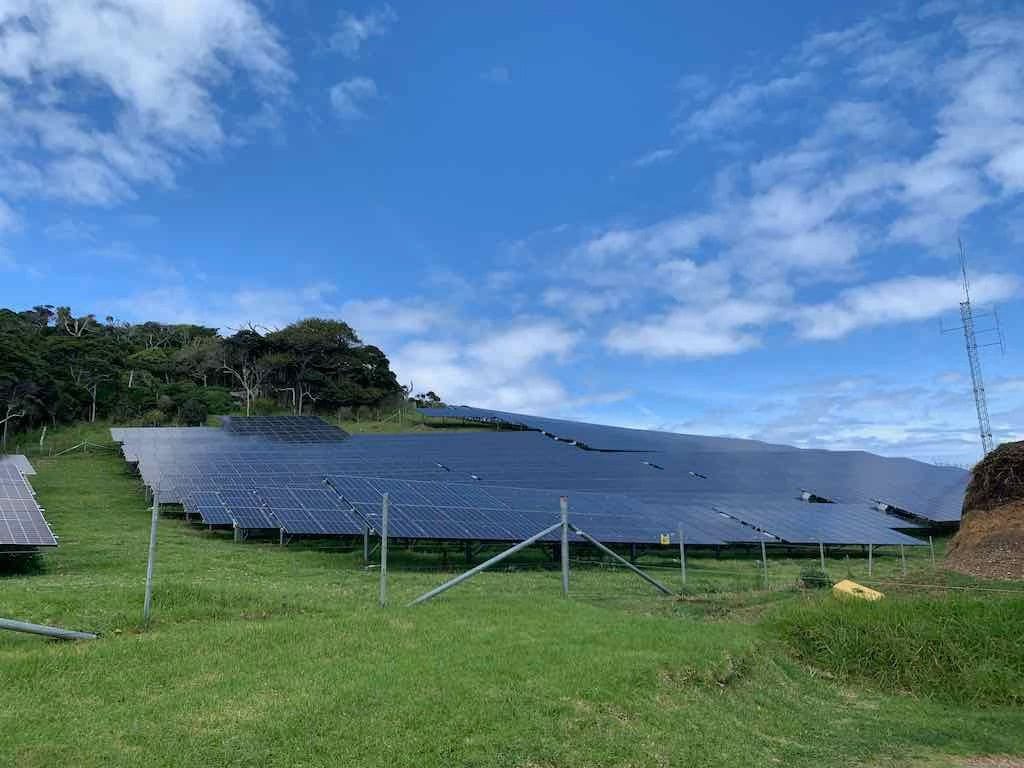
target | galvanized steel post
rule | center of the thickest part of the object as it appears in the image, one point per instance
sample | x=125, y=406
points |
x=384, y=551
x=764, y=564
x=871, y=552
x=147, y=605
x=931, y=546
x=903, y=560
x=821, y=554
x=564, y=503
x=682, y=556
x=485, y=565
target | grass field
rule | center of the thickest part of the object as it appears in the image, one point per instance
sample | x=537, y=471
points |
x=263, y=656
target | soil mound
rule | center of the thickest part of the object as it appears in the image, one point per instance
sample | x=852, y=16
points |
x=990, y=543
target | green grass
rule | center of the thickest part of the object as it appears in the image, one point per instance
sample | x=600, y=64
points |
x=961, y=648
x=259, y=655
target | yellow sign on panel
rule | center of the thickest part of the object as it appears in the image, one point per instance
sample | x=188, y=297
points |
x=847, y=588
x=666, y=538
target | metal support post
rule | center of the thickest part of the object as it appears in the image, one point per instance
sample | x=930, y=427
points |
x=821, y=554
x=871, y=552
x=148, y=603
x=764, y=564
x=931, y=546
x=486, y=564
x=366, y=545
x=564, y=503
x=384, y=551
x=682, y=556
x=656, y=584
x=903, y=560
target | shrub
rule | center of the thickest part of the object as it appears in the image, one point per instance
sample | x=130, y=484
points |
x=812, y=577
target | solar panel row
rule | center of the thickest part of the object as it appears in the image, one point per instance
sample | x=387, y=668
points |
x=22, y=525
x=469, y=486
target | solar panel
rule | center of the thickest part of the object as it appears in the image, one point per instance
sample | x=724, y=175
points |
x=21, y=518
x=287, y=429
x=246, y=510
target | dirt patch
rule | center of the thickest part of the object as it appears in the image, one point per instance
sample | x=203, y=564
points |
x=990, y=543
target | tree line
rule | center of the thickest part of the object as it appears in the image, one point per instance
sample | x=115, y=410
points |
x=56, y=367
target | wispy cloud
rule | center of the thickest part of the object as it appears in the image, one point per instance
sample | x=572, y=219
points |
x=352, y=31
x=349, y=97
x=899, y=300
x=158, y=73
x=655, y=156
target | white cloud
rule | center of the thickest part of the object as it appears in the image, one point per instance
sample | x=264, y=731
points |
x=350, y=96
x=655, y=156
x=157, y=67
x=898, y=300
x=352, y=31
x=733, y=109
x=694, y=333
x=380, y=320
x=504, y=369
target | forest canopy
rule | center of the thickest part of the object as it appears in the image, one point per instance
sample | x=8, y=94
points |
x=58, y=367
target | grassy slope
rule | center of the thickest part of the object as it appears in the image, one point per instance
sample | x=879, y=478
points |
x=265, y=656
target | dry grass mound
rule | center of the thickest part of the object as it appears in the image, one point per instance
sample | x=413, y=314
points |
x=990, y=543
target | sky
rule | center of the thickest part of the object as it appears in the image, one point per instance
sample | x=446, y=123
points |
x=728, y=218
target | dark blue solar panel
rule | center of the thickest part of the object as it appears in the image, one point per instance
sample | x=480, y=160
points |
x=245, y=509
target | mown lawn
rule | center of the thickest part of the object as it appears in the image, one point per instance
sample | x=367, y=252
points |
x=259, y=655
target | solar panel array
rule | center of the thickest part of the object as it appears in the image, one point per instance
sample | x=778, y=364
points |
x=922, y=490
x=22, y=525
x=497, y=486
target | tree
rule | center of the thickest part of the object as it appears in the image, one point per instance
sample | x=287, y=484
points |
x=242, y=360
x=75, y=326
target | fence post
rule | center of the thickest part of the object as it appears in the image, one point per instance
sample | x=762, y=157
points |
x=147, y=605
x=564, y=503
x=821, y=554
x=764, y=564
x=931, y=546
x=384, y=504
x=682, y=555
x=903, y=560
x=871, y=553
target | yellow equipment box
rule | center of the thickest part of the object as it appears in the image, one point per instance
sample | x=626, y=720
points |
x=847, y=588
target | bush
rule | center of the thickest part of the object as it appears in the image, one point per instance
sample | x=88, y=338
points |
x=960, y=648
x=812, y=577
x=193, y=413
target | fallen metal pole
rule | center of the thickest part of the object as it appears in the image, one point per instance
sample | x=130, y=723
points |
x=653, y=582
x=147, y=605
x=42, y=629
x=486, y=564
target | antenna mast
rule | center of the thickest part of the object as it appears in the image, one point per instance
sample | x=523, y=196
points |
x=973, y=358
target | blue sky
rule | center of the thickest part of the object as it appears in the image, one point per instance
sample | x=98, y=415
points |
x=728, y=219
